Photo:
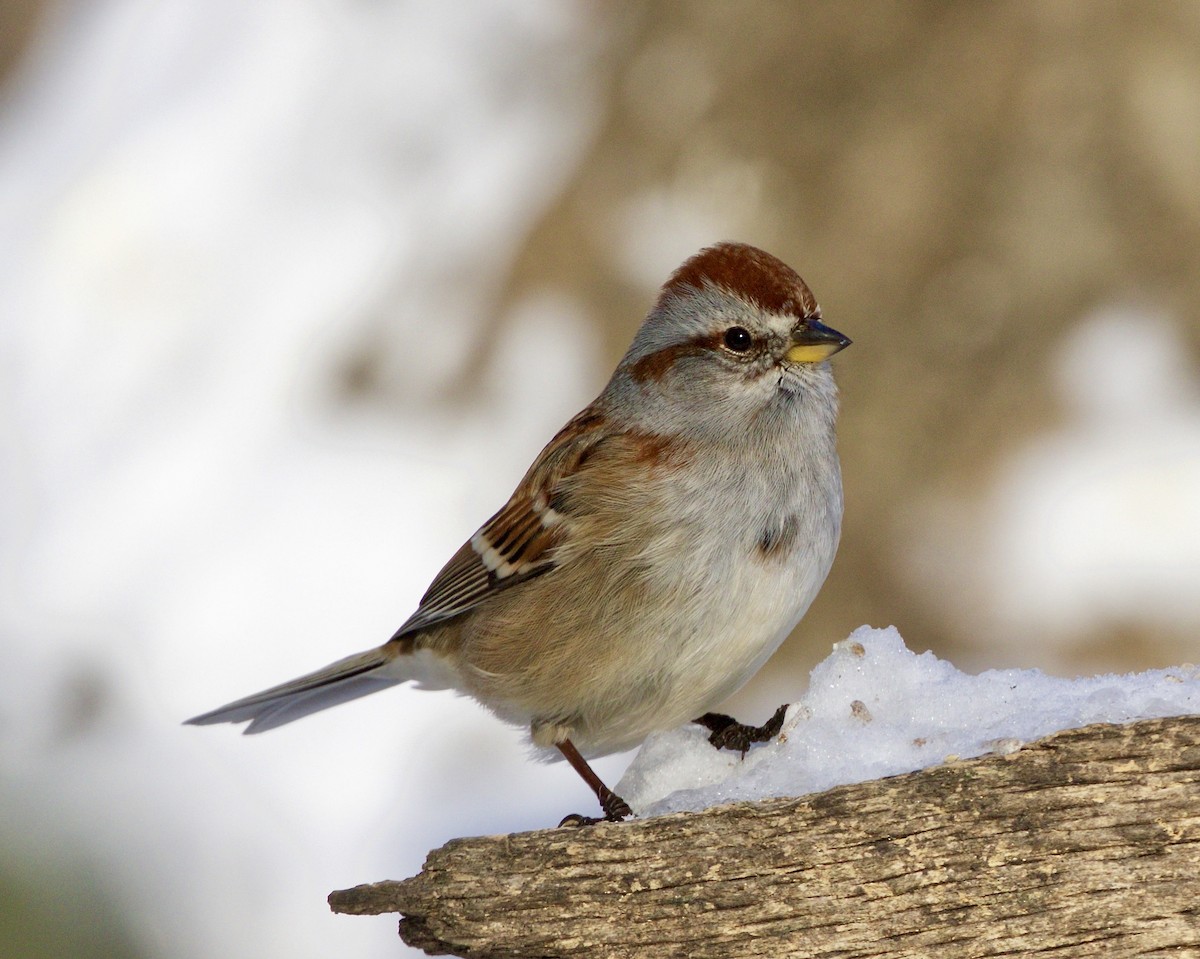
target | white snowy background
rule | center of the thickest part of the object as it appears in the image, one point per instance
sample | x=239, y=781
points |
x=197, y=199
x=201, y=205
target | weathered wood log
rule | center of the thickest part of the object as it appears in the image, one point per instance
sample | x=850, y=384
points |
x=1086, y=843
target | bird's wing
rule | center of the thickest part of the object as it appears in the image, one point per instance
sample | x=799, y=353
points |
x=520, y=541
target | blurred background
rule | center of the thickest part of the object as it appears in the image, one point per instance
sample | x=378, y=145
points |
x=292, y=292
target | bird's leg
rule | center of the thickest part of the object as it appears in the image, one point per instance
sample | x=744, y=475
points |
x=725, y=732
x=615, y=808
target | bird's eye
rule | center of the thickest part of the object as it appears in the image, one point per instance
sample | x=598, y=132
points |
x=738, y=339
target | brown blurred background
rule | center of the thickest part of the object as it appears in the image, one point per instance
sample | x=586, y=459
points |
x=959, y=183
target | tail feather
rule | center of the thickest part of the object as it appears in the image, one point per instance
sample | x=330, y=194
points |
x=337, y=683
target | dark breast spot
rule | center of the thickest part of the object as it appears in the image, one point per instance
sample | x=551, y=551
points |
x=778, y=536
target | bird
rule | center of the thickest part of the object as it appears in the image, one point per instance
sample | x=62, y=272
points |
x=659, y=549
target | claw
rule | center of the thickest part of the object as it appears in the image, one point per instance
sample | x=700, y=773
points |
x=577, y=821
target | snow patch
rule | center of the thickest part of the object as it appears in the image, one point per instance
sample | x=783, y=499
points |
x=875, y=708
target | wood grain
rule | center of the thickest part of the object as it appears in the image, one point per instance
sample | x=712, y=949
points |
x=1086, y=843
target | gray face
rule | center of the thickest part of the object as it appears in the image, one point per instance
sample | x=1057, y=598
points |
x=708, y=362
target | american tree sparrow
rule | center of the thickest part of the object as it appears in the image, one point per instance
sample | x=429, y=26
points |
x=659, y=549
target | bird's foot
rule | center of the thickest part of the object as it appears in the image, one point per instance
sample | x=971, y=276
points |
x=725, y=732
x=615, y=809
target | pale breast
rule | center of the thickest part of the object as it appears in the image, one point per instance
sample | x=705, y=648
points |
x=669, y=598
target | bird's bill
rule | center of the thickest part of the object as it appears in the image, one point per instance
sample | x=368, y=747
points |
x=814, y=342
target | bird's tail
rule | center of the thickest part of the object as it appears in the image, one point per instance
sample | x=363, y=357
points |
x=349, y=678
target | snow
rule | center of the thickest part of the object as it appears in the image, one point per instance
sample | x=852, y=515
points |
x=875, y=708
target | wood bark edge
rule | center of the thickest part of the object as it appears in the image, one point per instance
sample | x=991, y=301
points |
x=1087, y=841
